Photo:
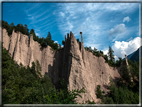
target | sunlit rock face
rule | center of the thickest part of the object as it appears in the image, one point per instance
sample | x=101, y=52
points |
x=77, y=66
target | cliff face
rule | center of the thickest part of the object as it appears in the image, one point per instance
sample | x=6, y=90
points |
x=77, y=66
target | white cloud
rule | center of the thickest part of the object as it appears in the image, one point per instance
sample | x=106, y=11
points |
x=116, y=58
x=105, y=51
x=55, y=41
x=92, y=48
x=126, y=19
x=122, y=48
x=117, y=30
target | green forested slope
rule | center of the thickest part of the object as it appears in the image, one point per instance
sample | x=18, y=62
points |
x=127, y=91
x=21, y=85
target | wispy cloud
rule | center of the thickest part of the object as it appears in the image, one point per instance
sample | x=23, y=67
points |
x=62, y=14
x=117, y=30
x=97, y=21
x=40, y=18
x=127, y=34
x=126, y=19
x=87, y=17
x=131, y=38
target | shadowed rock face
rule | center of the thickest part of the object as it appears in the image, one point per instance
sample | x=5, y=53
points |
x=77, y=66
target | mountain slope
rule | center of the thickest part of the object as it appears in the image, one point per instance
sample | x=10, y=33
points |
x=135, y=56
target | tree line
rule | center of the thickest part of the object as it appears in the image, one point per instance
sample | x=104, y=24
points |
x=44, y=42
x=108, y=58
x=20, y=27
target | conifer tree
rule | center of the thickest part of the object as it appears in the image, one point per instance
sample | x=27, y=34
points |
x=110, y=54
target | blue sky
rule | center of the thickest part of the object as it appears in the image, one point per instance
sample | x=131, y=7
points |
x=102, y=24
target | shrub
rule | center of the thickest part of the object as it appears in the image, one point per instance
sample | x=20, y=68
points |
x=106, y=58
x=108, y=100
x=98, y=92
x=98, y=54
x=90, y=102
x=103, y=91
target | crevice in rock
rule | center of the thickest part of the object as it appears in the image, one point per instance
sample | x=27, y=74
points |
x=29, y=51
x=15, y=47
x=28, y=41
x=79, y=46
x=20, y=38
x=9, y=44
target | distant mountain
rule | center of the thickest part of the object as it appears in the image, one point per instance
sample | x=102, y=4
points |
x=130, y=55
x=135, y=55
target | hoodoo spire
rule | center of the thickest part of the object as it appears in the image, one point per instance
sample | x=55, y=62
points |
x=128, y=67
x=82, y=47
x=65, y=38
x=81, y=38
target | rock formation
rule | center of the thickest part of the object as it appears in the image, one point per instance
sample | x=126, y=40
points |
x=128, y=67
x=77, y=66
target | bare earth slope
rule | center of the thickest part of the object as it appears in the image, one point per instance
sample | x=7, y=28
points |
x=77, y=66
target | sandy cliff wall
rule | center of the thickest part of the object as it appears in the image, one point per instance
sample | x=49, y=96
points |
x=77, y=66
x=87, y=70
x=25, y=50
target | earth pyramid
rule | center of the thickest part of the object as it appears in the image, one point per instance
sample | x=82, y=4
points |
x=79, y=67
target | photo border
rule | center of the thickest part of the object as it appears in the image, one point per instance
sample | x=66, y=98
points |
x=73, y=1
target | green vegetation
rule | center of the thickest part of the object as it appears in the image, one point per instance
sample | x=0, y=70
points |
x=95, y=52
x=45, y=41
x=90, y=102
x=108, y=59
x=110, y=54
x=127, y=91
x=24, y=30
x=20, y=27
x=99, y=93
x=111, y=60
x=133, y=70
x=63, y=42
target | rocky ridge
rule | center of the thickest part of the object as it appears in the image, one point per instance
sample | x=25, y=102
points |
x=77, y=66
